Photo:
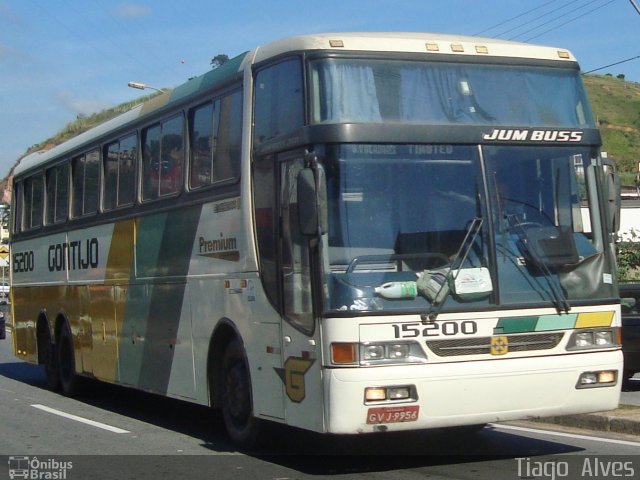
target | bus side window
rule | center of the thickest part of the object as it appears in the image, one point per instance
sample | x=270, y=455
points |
x=163, y=158
x=110, y=176
x=278, y=100
x=127, y=170
x=119, y=173
x=33, y=202
x=228, y=140
x=57, y=194
x=151, y=162
x=201, y=126
x=216, y=137
x=86, y=180
x=18, y=192
x=172, y=156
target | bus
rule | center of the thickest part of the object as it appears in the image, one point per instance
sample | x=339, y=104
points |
x=346, y=233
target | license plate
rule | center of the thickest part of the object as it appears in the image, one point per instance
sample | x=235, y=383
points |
x=393, y=414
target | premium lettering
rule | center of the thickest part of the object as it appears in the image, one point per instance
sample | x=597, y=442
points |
x=224, y=248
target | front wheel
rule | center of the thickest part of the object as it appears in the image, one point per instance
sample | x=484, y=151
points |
x=236, y=397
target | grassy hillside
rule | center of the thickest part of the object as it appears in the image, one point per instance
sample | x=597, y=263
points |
x=616, y=104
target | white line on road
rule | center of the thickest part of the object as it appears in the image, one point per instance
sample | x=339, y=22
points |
x=93, y=423
x=561, y=434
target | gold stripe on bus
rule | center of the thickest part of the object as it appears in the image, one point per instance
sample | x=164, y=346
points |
x=108, y=304
x=594, y=319
x=120, y=261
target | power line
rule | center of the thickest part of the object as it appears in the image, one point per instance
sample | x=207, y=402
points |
x=514, y=18
x=612, y=64
x=569, y=21
x=555, y=19
x=537, y=18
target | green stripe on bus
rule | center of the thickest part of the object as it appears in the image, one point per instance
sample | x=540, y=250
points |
x=517, y=324
x=153, y=314
x=556, y=322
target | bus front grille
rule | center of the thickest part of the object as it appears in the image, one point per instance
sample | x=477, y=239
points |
x=482, y=345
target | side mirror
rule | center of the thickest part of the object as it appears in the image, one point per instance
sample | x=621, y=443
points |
x=613, y=198
x=614, y=201
x=312, y=201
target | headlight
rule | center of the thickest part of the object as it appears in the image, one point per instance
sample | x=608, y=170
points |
x=603, y=378
x=604, y=338
x=391, y=353
x=377, y=353
x=594, y=338
x=395, y=393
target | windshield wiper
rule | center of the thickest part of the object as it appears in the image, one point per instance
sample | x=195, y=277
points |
x=537, y=257
x=456, y=264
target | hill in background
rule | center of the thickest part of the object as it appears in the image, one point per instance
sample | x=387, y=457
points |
x=615, y=102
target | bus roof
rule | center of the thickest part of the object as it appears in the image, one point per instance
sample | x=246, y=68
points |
x=412, y=42
x=366, y=41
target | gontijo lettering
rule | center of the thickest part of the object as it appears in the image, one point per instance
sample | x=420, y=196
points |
x=76, y=255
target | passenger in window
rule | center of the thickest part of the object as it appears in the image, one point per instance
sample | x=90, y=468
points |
x=172, y=160
x=201, y=165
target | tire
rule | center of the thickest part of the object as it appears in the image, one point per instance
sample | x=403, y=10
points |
x=47, y=356
x=236, y=398
x=68, y=378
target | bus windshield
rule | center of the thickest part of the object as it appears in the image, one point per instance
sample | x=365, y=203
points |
x=374, y=91
x=415, y=226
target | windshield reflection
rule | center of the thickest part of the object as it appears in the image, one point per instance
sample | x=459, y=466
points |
x=418, y=227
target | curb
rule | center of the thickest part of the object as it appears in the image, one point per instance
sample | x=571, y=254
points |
x=625, y=420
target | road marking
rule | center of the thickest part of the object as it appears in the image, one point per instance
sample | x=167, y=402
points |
x=93, y=423
x=568, y=435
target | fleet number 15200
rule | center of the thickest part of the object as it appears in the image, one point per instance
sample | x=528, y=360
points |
x=435, y=329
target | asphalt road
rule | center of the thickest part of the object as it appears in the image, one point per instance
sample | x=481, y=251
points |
x=113, y=432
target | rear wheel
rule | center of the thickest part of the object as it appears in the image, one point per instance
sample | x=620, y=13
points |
x=236, y=397
x=47, y=356
x=69, y=380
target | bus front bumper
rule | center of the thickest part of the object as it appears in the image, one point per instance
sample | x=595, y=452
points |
x=468, y=393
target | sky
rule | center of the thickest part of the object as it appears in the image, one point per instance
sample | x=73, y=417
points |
x=63, y=58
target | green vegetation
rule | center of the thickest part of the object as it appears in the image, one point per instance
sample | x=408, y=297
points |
x=628, y=261
x=83, y=123
x=616, y=104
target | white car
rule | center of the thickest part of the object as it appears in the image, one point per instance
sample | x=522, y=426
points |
x=5, y=289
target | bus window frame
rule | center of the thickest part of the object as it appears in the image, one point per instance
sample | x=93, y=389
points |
x=97, y=147
x=55, y=168
x=26, y=225
x=214, y=101
x=300, y=58
x=104, y=146
x=179, y=113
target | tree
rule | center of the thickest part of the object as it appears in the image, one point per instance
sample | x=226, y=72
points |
x=621, y=76
x=219, y=60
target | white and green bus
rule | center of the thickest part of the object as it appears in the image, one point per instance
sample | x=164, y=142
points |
x=346, y=233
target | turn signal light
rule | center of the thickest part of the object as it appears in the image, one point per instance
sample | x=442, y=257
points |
x=344, y=353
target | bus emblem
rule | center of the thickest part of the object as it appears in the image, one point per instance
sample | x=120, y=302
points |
x=293, y=377
x=499, y=345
